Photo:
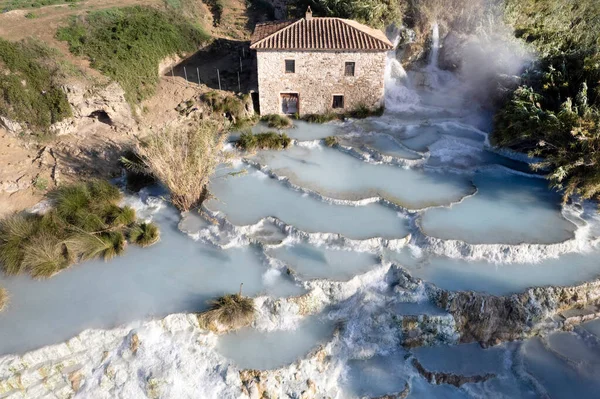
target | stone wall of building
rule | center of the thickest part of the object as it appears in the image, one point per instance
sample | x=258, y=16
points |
x=318, y=77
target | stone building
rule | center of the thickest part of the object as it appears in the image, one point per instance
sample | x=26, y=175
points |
x=318, y=65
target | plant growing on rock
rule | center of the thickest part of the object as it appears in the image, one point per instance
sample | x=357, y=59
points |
x=84, y=223
x=229, y=312
x=330, y=141
x=263, y=141
x=184, y=160
x=276, y=121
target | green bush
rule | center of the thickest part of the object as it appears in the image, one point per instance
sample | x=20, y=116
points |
x=555, y=113
x=322, y=118
x=30, y=80
x=230, y=311
x=84, y=223
x=263, y=141
x=127, y=44
x=276, y=121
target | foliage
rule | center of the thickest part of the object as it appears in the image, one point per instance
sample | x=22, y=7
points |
x=40, y=183
x=84, y=223
x=331, y=141
x=263, y=141
x=30, y=79
x=360, y=112
x=3, y=298
x=555, y=113
x=128, y=44
x=231, y=311
x=184, y=160
x=7, y=5
x=277, y=121
x=144, y=234
x=376, y=13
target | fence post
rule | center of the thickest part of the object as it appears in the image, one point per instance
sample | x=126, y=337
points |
x=241, y=67
x=185, y=73
x=172, y=73
x=239, y=83
x=219, y=78
x=198, y=75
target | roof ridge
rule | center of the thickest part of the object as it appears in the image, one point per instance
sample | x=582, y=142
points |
x=347, y=34
x=276, y=32
x=345, y=20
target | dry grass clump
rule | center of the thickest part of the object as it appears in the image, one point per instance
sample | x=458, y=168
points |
x=229, y=311
x=84, y=223
x=3, y=298
x=184, y=160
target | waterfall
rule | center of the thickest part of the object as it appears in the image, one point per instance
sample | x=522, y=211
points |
x=435, y=48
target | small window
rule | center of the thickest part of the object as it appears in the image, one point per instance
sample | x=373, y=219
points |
x=349, y=68
x=338, y=102
x=290, y=66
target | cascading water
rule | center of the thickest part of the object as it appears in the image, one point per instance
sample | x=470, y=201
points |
x=435, y=46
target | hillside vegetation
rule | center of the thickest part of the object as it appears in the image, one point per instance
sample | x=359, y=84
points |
x=128, y=44
x=30, y=77
x=555, y=113
x=8, y=5
x=376, y=13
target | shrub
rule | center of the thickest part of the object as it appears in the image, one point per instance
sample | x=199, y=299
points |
x=127, y=44
x=84, y=223
x=144, y=234
x=555, y=113
x=3, y=298
x=263, y=141
x=276, y=121
x=330, y=141
x=30, y=79
x=321, y=118
x=230, y=311
x=184, y=160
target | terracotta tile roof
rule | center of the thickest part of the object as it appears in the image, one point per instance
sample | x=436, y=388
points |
x=318, y=34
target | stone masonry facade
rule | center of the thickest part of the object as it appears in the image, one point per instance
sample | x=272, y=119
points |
x=319, y=75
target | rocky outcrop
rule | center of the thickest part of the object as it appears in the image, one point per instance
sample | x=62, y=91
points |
x=490, y=320
x=448, y=378
x=106, y=104
x=11, y=126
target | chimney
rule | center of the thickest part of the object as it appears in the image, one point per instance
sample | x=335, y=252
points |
x=308, y=14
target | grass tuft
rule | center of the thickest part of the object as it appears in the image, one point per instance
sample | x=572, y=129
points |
x=144, y=234
x=184, y=160
x=331, y=141
x=263, y=141
x=276, y=121
x=85, y=223
x=230, y=311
